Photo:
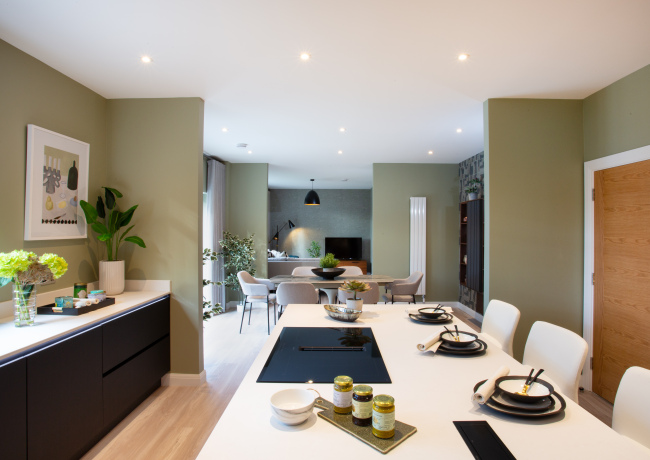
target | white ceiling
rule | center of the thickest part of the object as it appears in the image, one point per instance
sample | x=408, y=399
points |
x=385, y=70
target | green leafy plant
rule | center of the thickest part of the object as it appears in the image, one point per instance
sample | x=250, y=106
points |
x=473, y=186
x=328, y=261
x=314, y=249
x=355, y=286
x=107, y=224
x=238, y=255
x=210, y=309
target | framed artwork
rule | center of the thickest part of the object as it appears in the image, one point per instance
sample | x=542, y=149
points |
x=56, y=180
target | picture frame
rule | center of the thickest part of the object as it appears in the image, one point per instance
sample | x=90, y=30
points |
x=56, y=180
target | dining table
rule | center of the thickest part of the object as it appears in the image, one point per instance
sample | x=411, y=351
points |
x=330, y=286
x=431, y=391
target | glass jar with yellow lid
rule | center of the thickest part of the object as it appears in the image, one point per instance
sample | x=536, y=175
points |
x=342, y=394
x=383, y=416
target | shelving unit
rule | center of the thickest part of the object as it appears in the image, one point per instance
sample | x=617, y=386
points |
x=471, y=249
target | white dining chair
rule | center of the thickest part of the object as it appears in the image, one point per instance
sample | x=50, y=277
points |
x=298, y=292
x=303, y=271
x=560, y=352
x=403, y=290
x=500, y=323
x=631, y=415
x=369, y=297
x=256, y=290
x=352, y=270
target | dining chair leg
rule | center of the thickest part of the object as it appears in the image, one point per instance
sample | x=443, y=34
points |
x=250, y=310
x=268, y=320
x=242, y=316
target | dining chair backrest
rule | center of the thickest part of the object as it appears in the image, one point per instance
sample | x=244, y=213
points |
x=352, y=270
x=369, y=297
x=631, y=415
x=407, y=286
x=500, y=323
x=303, y=271
x=245, y=279
x=299, y=292
x=560, y=352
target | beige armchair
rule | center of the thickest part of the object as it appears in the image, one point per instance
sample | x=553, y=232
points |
x=256, y=290
x=403, y=290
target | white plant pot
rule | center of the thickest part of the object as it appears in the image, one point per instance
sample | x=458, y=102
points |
x=472, y=196
x=331, y=269
x=111, y=276
x=354, y=304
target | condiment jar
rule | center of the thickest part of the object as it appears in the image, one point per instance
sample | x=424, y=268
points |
x=80, y=290
x=383, y=416
x=342, y=394
x=362, y=405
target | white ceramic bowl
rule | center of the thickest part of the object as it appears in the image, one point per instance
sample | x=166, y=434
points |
x=293, y=406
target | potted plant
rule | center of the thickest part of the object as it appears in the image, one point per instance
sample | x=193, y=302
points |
x=472, y=189
x=238, y=255
x=108, y=221
x=27, y=271
x=314, y=250
x=355, y=286
x=328, y=262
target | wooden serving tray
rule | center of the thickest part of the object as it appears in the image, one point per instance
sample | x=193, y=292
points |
x=47, y=309
x=364, y=433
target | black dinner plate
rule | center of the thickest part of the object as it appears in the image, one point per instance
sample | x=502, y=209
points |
x=472, y=349
x=559, y=404
x=505, y=400
x=444, y=318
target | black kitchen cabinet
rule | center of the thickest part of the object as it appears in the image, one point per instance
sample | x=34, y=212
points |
x=471, y=248
x=13, y=409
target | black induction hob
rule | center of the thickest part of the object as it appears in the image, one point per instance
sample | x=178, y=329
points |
x=318, y=354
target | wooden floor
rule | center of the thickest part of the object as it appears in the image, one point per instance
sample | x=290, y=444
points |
x=174, y=422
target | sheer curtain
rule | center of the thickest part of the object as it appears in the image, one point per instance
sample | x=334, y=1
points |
x=215, y=209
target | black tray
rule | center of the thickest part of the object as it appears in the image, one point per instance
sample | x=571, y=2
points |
x=47, y=309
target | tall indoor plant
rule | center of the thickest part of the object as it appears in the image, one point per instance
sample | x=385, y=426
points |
x=108, y=221
x=238, y=255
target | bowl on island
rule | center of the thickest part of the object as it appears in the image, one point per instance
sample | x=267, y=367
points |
x=293, y=406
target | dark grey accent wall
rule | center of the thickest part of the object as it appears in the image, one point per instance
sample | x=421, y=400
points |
x=342, y=213
x=470, y=169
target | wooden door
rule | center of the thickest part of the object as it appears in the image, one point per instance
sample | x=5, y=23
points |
x=621, y=275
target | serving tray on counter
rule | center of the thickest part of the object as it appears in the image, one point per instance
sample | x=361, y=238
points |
x=47, y=309
x=364, y=433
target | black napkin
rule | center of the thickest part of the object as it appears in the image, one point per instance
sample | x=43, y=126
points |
x=482, y=441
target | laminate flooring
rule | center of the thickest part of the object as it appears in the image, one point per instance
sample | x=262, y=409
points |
x=174, y=422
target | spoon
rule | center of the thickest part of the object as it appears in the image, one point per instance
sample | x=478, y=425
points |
x=457, y=334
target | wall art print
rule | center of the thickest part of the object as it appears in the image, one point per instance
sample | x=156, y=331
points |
x=56, y=180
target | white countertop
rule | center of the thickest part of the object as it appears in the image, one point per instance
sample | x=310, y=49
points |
x=430, y=392
x=14, y=340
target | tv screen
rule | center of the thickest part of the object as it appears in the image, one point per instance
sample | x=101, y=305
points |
x=344, y=248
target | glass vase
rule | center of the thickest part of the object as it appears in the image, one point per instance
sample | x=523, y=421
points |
x=24, y=304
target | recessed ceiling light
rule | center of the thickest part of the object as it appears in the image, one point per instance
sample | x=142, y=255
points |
x=305, y=56
x=250, y=151
x=430, y=152
x=146, y=59
x=340, y=152
x=463, y=57
x=242, y=145
x=225, y=130
x=342, y=129
x=459, y=130
x=344, y=180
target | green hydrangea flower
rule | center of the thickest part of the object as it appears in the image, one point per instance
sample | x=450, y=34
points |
x=57, y=265
x=14, y=262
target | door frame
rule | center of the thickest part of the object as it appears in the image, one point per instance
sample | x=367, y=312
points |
x=611, y=161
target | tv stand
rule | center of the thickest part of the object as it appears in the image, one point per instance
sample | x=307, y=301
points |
x=362, y=264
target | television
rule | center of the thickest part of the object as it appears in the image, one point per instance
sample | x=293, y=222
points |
x=344, y=248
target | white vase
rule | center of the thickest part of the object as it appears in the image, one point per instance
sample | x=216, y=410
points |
x=354, y=304
x=111, y=276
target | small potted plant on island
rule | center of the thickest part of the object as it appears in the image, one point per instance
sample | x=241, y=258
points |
x=472, y=189
x=328, y=262
x=106, y=220
x=355, y=286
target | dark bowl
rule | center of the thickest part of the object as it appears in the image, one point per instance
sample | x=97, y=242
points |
x=467, y=338
x=330, y=274
x=431, y=312
x=512, y=384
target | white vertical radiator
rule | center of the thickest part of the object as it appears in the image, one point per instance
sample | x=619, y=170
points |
x=419, y=240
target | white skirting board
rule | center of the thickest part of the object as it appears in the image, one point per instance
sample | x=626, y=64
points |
x=183, y=380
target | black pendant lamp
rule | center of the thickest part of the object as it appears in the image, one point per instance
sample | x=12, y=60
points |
x=312, y=197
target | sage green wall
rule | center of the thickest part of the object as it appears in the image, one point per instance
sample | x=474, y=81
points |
x=393, y=185
x=34, y=93
x=534, y=150
x=248, y=207
x=155, y=148
x=617, y=118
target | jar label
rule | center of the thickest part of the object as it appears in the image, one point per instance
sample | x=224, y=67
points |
x=342, y=398
x=361, y=410
x=383, y=421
